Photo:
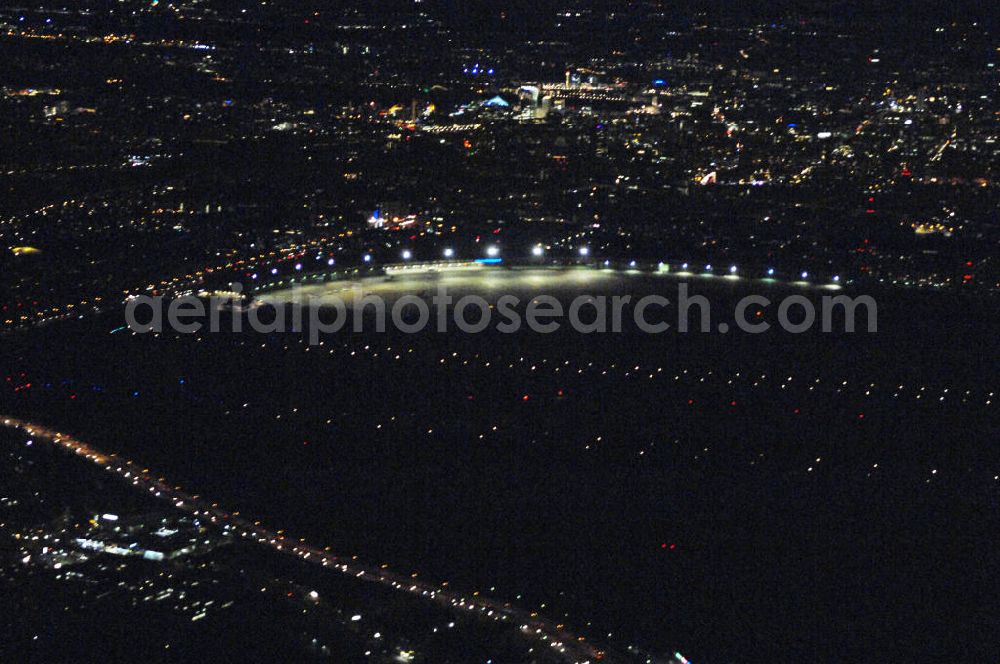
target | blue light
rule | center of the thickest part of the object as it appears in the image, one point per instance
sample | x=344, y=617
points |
x=770, y=271
x=659, y=82
x=489, y=261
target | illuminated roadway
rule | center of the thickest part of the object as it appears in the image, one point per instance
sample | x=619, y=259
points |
x=562, y=644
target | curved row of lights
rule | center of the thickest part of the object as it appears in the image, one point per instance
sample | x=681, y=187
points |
x=493, y=252
x=538, y=251
x=734, y=271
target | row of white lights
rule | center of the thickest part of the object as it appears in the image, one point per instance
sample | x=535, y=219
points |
x=537, y=250
x=770, y=271
x=494, y=251
x=491, y=251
